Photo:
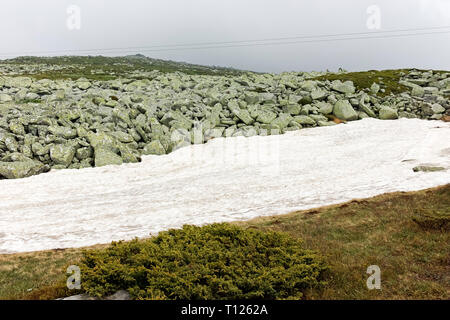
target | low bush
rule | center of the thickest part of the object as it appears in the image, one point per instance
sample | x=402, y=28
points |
x=218, y=261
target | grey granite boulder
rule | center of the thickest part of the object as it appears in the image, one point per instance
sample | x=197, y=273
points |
x=325, y=107
x=344, y=110
x=21, y=169
x=343, y=87
x=105, y=157
x=154, y=148
x=387, y=113
x=304, y=120
x=62, y=154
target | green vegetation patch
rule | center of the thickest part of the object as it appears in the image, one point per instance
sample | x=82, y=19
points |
x=218, y=261
x=387, y=79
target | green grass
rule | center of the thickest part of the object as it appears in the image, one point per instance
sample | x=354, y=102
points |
x=36, y=275
x=414, y=260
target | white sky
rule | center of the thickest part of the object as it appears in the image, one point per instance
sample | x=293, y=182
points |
x=41, y=26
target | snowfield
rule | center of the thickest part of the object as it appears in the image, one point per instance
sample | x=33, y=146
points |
x=223, y=180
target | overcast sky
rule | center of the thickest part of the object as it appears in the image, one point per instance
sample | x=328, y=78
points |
x=41, y=27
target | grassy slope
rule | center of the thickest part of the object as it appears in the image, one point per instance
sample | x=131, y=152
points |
x=414, y=262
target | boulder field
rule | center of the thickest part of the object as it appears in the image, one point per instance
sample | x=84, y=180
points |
x=61, y=123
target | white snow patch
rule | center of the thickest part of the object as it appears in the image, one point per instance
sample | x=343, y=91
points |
x=223, y=180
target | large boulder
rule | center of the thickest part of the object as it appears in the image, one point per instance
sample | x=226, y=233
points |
x=21, y=169
x=251, y=98
x=265, y=116
x=308, y=85
x=343, y=87
x=122, y=115
x=374, y=88
x=154, y=148
x=177, y=116
x=267, y=98
x=40, y=150
x=437, y=108
x=84, y=153
x=424, y=168
x=5, y=98
x=418, y=91
x=344, y=110
x=105, y=157
x=366, y=108
x=83, y=84
x=292, y=108
x=304, y=120
x=318, y=94
x=103, y=140
x=318, y=117
x=9, y=141
x=325, y=107
x=387, y=113
x=62, y=154
x=242, y=114
x=64, y=132
x=17, y=128
x=123, y=137
x=128, y=155
x=19, y=82
x=282, y=121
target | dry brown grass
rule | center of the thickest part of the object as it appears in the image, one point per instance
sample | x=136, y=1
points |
x=414, y=261
x=37, y=275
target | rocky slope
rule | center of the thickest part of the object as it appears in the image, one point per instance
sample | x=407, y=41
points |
x=55, y=122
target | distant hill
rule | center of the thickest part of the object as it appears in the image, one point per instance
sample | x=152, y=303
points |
x=111, y=67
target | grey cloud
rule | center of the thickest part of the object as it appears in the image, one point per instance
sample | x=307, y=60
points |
x=40, y=26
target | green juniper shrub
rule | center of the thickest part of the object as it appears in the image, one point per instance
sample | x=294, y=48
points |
x=218, y=261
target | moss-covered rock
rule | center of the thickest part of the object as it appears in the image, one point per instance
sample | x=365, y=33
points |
x=343, y=87
x=344, y=110
x=387, y=113
x=21, y=169
x=154, y=148
x=62, y=154
x=105, y=157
